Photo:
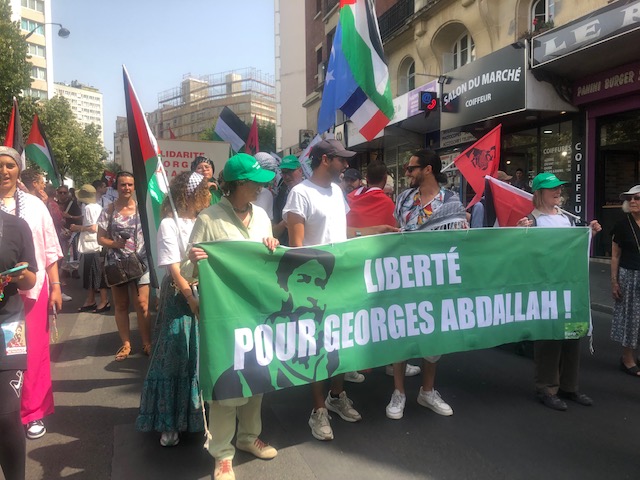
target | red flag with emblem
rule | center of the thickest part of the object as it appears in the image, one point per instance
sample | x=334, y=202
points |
x=480, y=159
x=252, y=147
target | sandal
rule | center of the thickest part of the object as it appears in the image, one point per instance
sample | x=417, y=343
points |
x=123, y=353
x=87, y=308
x=633, y=371
x=146, y=349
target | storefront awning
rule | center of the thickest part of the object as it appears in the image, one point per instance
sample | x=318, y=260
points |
x=604, y=39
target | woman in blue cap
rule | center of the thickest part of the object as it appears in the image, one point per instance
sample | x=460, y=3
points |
x=557, y=362
x=235, y=217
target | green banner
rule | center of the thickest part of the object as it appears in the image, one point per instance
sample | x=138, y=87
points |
x=299, y=315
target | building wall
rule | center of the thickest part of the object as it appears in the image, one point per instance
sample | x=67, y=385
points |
x=193, y=107
x=290, y=72
x=86, y=103
x=40, y=87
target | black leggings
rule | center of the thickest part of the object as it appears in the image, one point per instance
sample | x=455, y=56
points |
x=12, y=439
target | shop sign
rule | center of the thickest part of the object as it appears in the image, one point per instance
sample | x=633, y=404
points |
x=340, y=133
x=618, y=81
x=413, y=107
x=577, y=200
x=609, y=21
x=451, y=138
x=485, y=88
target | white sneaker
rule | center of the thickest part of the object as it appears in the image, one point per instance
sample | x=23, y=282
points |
x=395, y=409
x=35, y=429
x=409, y=371
x=353, y=377
x=434, y=401
x=169, y=439
x=319, y=423
x=343, y=407
x=66, y=298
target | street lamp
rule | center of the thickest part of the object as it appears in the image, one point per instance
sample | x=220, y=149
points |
x=62, y=32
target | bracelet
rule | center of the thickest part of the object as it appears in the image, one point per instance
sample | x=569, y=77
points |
x=55, y=283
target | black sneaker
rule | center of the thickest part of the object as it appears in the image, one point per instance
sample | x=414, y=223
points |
x=577, y=397
x=552, y=401
x=35, y=429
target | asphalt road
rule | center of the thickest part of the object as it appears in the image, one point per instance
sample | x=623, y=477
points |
x=498, y=429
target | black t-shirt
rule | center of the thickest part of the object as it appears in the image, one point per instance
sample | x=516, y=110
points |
x=73, y=209
x=624, y=237
x=16, y=245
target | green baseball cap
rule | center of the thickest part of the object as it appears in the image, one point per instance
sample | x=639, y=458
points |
x=546, y=180
x=243, y=166
x=290, y=162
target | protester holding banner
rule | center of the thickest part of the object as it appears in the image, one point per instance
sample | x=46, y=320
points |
x=557, y=362
x=37, y=391
x=625, y=281
x=17, y=249
x=425, y=206
x=120, y=232
x=170, y=401
x=234, y=218
x=316, y=213
x=207, y=169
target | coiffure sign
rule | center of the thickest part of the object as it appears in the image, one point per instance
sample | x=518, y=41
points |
x=610, y=21
x=490, y=86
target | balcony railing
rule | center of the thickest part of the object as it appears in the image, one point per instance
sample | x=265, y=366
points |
x=394, y=18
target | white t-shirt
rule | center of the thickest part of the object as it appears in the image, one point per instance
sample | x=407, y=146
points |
x=265, y=200
x=557, y=220
x=324, y=210
x=168, y=245
x=88, y=242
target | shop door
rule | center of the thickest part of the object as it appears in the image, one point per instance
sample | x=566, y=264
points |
x=618, y=172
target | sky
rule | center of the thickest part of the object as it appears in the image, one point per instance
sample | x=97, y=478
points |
x=159, y=42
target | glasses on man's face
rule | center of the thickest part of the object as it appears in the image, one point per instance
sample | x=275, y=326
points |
x=633, y=197
x=411, y=168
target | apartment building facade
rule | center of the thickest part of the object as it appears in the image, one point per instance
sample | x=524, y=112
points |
x=86, y=103
x=559, y=76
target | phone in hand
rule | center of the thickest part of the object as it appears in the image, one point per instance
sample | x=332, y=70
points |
x=14, y=272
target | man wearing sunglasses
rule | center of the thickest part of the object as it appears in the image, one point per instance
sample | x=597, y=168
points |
x=426, y=205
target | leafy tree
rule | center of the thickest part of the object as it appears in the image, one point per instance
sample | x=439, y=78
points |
x=15, y=71
x=266, y=136
x=78, y=150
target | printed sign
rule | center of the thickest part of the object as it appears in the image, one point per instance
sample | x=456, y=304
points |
x=300, y=315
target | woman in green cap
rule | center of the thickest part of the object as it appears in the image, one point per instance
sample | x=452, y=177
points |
x=557, y=362
x=234, y=217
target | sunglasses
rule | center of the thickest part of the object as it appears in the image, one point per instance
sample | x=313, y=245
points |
x=633, y=197
x=411, y=168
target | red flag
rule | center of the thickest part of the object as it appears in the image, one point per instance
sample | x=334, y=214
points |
x=505, y=203
x=172, y=136
x=109, y=177
x=14, y=138
x=251, y=146
x=480, y=159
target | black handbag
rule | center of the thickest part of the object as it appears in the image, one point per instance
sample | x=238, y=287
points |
x=120, y=269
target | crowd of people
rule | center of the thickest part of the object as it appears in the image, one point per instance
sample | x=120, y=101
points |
x=262, y=199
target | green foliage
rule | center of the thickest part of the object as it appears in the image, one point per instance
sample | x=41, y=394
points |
x=78, y=150
x=15, y=71
x=266, y=136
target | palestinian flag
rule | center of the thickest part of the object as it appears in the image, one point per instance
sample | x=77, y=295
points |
x=39, y=152
x=14, y=138
x=480, y=159
x=505, y=204
x=357, y=79
x=231, y=129
x=150, y=178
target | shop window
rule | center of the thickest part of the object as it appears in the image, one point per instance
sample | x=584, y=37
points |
x=542, y=14
x=464, y=50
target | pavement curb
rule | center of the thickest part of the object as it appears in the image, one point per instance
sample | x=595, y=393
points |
x=599, y=307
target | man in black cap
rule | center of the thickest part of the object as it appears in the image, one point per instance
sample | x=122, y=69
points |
x=351, y=179
x=316, y=213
